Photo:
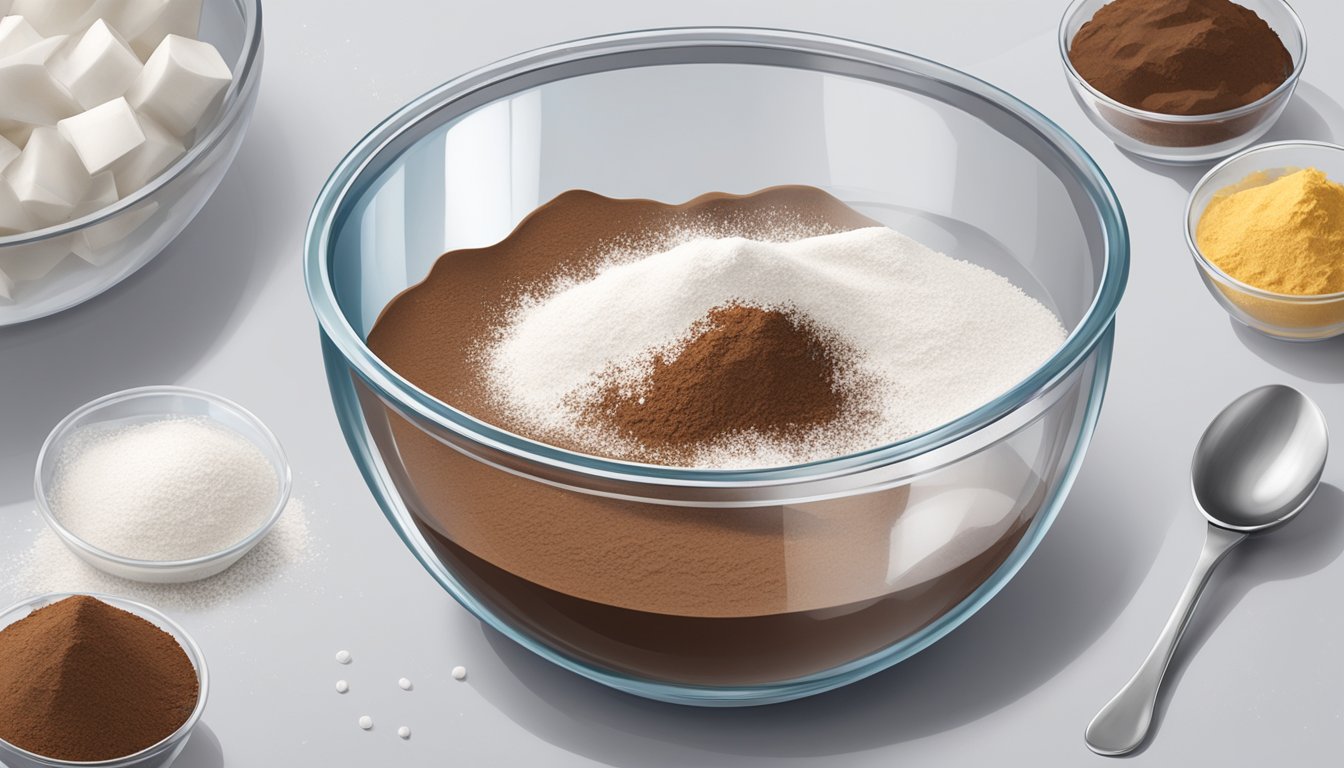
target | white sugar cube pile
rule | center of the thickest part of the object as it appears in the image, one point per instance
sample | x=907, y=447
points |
x=97, y=98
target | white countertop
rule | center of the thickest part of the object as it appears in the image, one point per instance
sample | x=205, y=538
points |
x=224, y=309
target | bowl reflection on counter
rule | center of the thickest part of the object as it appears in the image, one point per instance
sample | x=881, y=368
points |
x=720, y=587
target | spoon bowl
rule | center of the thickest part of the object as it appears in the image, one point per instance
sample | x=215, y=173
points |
x=1261, y=459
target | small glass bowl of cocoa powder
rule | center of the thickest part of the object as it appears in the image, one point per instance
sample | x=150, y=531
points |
x=158, y=755
x=1183, y=139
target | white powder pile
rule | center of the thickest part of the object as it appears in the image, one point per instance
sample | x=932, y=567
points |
x=171, y=489
x=278, y=561
x=937, y=337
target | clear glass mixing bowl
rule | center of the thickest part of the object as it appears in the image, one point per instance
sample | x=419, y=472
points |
x=53, y=269
x=815, y=575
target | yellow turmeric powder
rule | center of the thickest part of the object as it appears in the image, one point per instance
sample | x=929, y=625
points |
x=1285, y=236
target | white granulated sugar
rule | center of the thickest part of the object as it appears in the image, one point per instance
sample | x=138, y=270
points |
x=459, y=673
x=366, y=722
x=342, y=686
x=343, y=657
x=404, y=684
x=404, y=732
x=171, y=489
x=938, y=337
x=277, y=560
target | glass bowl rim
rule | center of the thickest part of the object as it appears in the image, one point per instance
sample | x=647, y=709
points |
x=154, y=616
x=1288, y=84
x=1212, y=269
x=283, y=470
x=361, y=160
x=245, y=72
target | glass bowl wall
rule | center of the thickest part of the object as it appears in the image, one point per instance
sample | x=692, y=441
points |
x=819, y=574
x=54, y=269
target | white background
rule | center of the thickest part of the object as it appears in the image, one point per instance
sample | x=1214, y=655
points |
x=224, y=309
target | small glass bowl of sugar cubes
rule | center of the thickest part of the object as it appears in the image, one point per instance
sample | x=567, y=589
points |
x=118, y=118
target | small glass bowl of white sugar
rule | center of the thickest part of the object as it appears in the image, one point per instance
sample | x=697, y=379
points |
x=161, y=484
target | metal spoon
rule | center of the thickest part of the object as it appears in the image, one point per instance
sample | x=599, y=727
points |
x=1255, y=468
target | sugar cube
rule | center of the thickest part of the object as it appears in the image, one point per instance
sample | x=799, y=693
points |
x=102, y=192
x=147, y=161
x=98, y=68
x=14, y=218
x=34, y=261
x=31, y=94
x=15, y=133
x=16, y=35
x=48, y=177
x=145, y=23
x=8, y=151
x=103, y=135
x=57, y=17
x=101, y=243
x=179, y=83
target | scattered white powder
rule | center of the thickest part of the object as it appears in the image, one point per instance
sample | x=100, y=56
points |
x=938, y=337
x=49, y=566
x=404, y=684
x=342, y=686
x=366, y=722
x=459, y=673
x=404, y=732
x=343, y=657
x=171, y=489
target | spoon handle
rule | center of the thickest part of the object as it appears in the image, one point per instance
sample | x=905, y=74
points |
x=1122, y=724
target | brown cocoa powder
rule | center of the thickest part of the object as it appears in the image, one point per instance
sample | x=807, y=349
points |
x=82, y=680
x=745, y=370
x=1180, y=57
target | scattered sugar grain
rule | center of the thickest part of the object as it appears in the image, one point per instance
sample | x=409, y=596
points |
x=459, y=673
x=405, y=684
x=342, y=686
x=404, y=732
x=284, y=557
x=343, y=657
x=366, y=722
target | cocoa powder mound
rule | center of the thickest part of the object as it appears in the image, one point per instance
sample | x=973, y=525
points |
x=1180, y=57
x=744, y=370
x=82, y=680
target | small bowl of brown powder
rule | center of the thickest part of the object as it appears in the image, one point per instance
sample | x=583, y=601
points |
x=1182, y=81
x=96, y=680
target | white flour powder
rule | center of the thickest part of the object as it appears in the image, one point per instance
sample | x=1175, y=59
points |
x=163, y=490
x=938, y=336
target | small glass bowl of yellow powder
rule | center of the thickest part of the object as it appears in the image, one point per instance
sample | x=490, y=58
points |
x=1266, y=228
